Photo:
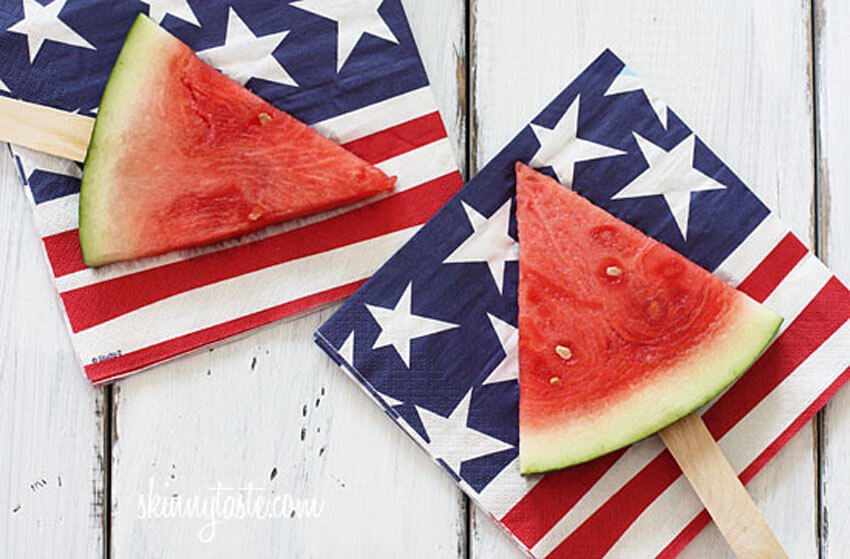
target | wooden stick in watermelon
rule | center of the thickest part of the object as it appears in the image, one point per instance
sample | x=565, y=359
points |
x=180, y=155
x=45, y=129
x=621, y=337
x=721, y=492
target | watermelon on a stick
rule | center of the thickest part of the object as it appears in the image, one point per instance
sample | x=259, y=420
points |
x=183, y=156
x=619, y=335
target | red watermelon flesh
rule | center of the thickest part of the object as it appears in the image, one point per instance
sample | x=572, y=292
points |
x=619, y=335
x=182, y=156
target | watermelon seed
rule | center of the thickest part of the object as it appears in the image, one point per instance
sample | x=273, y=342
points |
x=563, y=352
x=613, y=271
x=554, y=380
x=255, y=214
x=264, y=118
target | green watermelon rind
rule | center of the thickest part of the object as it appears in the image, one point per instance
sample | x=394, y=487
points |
x=143, y=37
x=545, y=460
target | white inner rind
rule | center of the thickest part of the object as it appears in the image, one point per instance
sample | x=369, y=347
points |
x=651, y=406
x=144, y=57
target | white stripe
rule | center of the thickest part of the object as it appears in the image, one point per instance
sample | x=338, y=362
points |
x=32, y=161
x=788, y=299
x=413, y=168
x=379, y=116
x=751, y=251
x=420, y=165
x=236, y=297
x=797, y=289
x=506, y=489
x=668, y=515
x=57, y=215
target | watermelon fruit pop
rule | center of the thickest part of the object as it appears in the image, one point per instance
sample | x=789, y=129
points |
x=183, y=156
x=619, y=335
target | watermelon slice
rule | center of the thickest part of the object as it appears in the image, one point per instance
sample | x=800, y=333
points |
x=182, y=156
x=619, y=335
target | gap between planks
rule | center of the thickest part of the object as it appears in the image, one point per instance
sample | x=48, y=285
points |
x=819, y=222
x=468, y=166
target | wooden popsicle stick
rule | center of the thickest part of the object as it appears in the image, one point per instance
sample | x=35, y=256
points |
x=720, y=490
x=45, y=129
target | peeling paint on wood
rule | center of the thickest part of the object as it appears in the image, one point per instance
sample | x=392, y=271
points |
x=51, y=419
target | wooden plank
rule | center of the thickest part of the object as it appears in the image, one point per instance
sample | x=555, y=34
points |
x=832, y=45
x=51, y=424
x=738, y=74
x=272, y=411
x=440, y=31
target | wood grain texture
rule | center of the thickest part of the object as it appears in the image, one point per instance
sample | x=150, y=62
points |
x=51, y=419
x=725, y=498
x=45, y=129
x=439, y=28
x=832, y=54
x=739, y=74
x=272, y=411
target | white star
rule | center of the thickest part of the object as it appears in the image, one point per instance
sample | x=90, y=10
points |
x=670, y=174
x=177, y=8
x=244, y=55
x=453, y=441
x=399, y=325
x=32, y=161
x=42, y=23
x=4, y=87
x=561, y=148
x=489, y=242
x=508, y=368
x=627, y=81
x=354, y=19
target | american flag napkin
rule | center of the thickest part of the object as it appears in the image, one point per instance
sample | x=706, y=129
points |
x=349, y=69
x=432, y=335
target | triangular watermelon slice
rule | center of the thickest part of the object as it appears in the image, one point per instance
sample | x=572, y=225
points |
x=182, y=156
x=619, y=335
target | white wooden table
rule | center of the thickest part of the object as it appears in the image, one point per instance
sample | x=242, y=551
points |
x=761, y=82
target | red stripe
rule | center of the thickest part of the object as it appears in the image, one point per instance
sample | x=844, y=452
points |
x=763, y=280
x=699, y=522
x=136, y=360
x=542, y=507
x=96, y=303
x=63, y=252
x=399, y=139
x=821, y=318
